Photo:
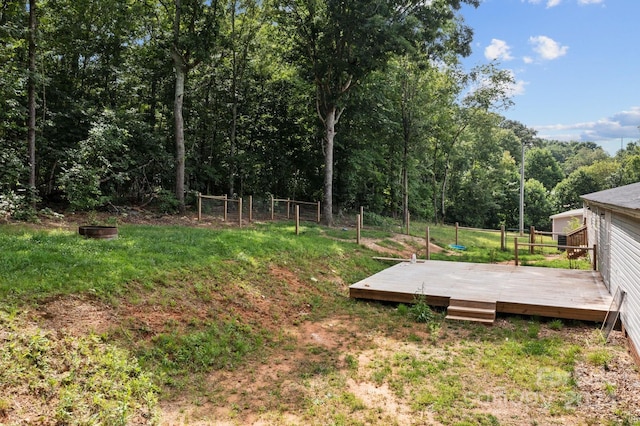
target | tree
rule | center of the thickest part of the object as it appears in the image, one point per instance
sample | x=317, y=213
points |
x=487, y=88
x=541, y=166
x=339, y=42
x=538, y=207
x=31, y=133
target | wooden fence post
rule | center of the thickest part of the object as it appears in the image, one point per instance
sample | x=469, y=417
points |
x=428, y=245
x=288, y=209
x=503, y=238
x=225, y=207
x=361, y=217
x=408, y=223
x=199, y=206
x=250, y=208
x=456, y=233
x=297, y=218
x=515, y=240
x=532, y=238
x=272, y=207
x=318, y=213
x=358, y=229
x=240, y=212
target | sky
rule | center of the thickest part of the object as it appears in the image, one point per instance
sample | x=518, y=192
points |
x=576, y=64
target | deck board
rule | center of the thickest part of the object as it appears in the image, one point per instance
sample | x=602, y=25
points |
x=559, y=293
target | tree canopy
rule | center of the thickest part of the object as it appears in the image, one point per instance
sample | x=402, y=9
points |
x=107, y=103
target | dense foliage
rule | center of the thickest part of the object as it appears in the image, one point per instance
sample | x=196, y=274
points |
x=148, y=102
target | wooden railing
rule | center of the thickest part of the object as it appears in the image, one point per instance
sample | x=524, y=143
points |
x=577, y=238
x=584, y=248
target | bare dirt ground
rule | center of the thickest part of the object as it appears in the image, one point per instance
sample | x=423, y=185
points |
x=299, y=376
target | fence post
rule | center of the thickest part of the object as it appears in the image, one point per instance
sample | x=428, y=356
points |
x=532, y=238
x=595, y=257
x=226, y=205
x=250, y=208
x=408, y=222
x=515, y=240
x=358, y=229
x=272, y=206
x=318, y=212
x=199, y=206
x=288, y=209
x=361, y=217
x=297, y=218
x=428, y=245
x=456, y=233
x=240, y=212
x=503, y=238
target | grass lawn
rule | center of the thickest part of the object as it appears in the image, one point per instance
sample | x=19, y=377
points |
x=206, y=325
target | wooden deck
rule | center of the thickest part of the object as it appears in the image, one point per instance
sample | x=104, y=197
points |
x=522, y=290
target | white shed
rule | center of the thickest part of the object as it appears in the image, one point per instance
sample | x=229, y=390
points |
x=613, y=221
x=560, y=222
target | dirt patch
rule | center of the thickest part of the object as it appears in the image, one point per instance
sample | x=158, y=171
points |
x=407, y=245
x=77, y=315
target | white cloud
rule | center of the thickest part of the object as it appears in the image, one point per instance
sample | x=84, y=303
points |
x=547, y=48
x=528, y=60
x=583, y=2
x=498, y=49
x=620, y=126
x=551, y=3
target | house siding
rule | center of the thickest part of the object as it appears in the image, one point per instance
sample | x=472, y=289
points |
x=625, y=270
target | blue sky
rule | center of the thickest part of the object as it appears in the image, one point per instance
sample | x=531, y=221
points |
x=576, y=64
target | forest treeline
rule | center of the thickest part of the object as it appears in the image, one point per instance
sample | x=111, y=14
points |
x=352, y=102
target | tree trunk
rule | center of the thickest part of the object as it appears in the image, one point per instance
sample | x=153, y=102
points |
x=180, y=69
x=179, y=132
x=330, y=120
x=405, y=181
x=31, y=133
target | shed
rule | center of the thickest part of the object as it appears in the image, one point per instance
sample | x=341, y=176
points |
x=613, y=221
x=560, y=222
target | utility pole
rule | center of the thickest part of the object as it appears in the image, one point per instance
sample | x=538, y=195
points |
x=522, y=192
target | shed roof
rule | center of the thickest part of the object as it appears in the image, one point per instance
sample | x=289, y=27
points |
x=568, y=213
x=625, y=197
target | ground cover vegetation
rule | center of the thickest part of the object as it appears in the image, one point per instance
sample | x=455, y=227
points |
x=109, y=103
x=197, y=323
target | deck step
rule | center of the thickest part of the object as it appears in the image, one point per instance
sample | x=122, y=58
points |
x=480, y=320
x=472, y=310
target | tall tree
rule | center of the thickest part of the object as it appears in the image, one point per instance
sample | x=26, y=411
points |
x=195, y=26
x=340, y=42
x=31, y=133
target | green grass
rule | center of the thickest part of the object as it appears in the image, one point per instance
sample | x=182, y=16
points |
x=223, y=276
x=75, y=380
x=38, y=263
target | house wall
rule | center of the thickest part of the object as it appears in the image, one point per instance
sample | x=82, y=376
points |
x=618, y=248
x=625, y=270
x=561, y=224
